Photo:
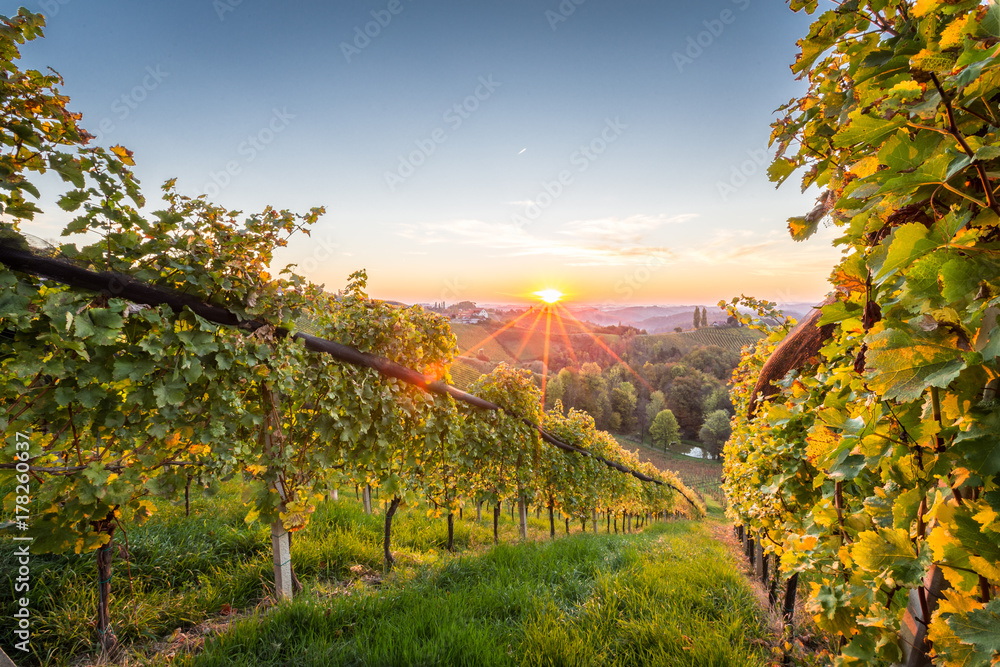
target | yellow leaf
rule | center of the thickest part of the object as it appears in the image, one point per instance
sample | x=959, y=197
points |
x=924, y=6
x=876, y=551
x=955, y=33
x=938, y=540
x=907, y=90
x=987, y=516
x=985, y=568
x=172, y=439
x=867, y=166
x=124, y=154
x=251, y=516
x=820, y=442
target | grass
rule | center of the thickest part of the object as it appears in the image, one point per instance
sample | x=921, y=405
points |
x=582, y=599
x=668, y=596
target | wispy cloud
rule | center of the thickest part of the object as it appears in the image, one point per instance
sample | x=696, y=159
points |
x=604, y=242
x=632, y=229
x=770, y=253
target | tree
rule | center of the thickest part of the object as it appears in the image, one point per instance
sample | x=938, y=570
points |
x=665, y=429
x=718, y=400
x=697, y=318
x=712, y=360
x=715, y=432
x=704, y=316
x=657, y=404
x=685, y=395
x=623, y=404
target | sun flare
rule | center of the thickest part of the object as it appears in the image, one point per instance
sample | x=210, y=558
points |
x=549, y=295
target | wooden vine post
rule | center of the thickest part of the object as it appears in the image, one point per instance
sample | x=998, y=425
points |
x=281, y=548
x=522, y=512
x=105, y=556
x=920, y=606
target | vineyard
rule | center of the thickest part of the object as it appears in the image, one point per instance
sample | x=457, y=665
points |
x=167, y=356
x=473, y=337
x=864, y=454
x=208, y=460
x=732, y=339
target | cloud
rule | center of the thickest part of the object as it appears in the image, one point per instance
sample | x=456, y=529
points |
x=603, y=242
x=769, y=254
x=631, y=229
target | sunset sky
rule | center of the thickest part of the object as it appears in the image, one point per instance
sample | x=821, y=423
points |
x=465, y=150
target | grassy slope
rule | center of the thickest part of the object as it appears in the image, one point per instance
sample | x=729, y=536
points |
x=608, y=599
x=666, y=597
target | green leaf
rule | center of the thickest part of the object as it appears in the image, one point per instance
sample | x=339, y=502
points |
x=960, y=279
x=866, y=129
x=801, y=229
x=887, y=548
x=909, y=242
x=902, y=364
x=987, y=153
x=779, y=170
x=980, y=628
x=72, y=200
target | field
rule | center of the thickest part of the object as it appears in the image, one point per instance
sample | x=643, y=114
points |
x=193, y=593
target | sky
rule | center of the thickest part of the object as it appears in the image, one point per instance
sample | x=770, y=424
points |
x=478, y=151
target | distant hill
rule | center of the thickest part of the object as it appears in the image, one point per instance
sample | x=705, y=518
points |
x=631, y=315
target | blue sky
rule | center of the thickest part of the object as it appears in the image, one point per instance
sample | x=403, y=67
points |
x=465, y=150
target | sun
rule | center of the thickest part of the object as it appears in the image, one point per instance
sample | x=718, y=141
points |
x=549, y=295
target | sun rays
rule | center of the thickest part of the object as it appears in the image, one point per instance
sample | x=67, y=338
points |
x=550, y=312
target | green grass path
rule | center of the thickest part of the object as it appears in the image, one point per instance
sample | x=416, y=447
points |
x=668, y=596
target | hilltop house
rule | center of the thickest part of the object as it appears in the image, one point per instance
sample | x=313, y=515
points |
x=470, y=316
